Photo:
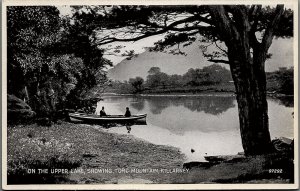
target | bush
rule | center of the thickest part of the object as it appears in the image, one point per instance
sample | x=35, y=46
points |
x=18, y=111
x=281, y=81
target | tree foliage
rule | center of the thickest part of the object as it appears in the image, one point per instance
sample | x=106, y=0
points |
x=30, y=29
x=137, y=83
x=49, y=57
x=281, y=81
x=212, y=76
x=209, y=75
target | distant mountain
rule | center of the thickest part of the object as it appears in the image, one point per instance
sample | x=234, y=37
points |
x=281, y=50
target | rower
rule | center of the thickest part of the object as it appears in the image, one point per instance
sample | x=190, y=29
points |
x=127, y=113
x=102, y=112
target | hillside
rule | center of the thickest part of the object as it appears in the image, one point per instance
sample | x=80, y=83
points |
x=281, y=50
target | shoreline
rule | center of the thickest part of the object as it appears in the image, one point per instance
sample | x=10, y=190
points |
x=111, y=158
x=217, y=94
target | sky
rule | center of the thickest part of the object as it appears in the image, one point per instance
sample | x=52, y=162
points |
x=138, y=46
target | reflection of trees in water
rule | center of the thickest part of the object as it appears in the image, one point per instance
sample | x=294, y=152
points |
x=138, y=104
x=128, y=127
x=157, y=104
x=287, y=101
x=209, y=104
x=121, y=124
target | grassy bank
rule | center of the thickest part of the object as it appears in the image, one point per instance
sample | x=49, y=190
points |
x=89, y=148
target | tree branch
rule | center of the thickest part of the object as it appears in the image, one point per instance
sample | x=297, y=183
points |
x=224, y=51
x=203, y=28
x=269, y=33
x=172, y=26
x=254, y=14
x=223, y=23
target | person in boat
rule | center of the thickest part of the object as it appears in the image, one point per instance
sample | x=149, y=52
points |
x=102, y=112
x=127, y=113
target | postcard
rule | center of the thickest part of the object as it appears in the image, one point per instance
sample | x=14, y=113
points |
x=149, y=95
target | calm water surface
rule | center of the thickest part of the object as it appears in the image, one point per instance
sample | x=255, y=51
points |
x=207, y=124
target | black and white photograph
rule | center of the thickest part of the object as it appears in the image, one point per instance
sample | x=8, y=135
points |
x=149, y=94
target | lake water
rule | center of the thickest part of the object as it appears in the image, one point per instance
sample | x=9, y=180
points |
x=207, y=124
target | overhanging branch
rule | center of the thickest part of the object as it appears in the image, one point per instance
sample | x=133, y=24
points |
x=172, y=26
x=224, y=51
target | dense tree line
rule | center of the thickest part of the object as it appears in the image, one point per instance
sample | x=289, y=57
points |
x=50, y=58
x=156, y=80
x=211, y=78
x=281, y=81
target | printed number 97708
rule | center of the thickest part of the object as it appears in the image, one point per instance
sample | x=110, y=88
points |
x=275, y=170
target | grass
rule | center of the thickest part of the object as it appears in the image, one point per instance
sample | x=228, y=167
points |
x=36, y=147
x=71, y=146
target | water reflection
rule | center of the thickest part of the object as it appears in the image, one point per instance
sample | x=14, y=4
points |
x=128, y=127
x=211, y=105
x=206, y=124
x=180, y=114
x=108, y=125
x=157, y=105
x=138, y=104
x=208, y=104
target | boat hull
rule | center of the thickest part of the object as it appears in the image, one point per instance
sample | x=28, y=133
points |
x=107, y=119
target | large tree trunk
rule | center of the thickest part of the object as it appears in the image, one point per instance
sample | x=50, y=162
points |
x=248, y=71
x=250, y=83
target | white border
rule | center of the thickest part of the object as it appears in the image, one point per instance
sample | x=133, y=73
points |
x=143, y=186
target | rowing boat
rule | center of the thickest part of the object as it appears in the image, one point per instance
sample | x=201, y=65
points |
x=105, y=119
